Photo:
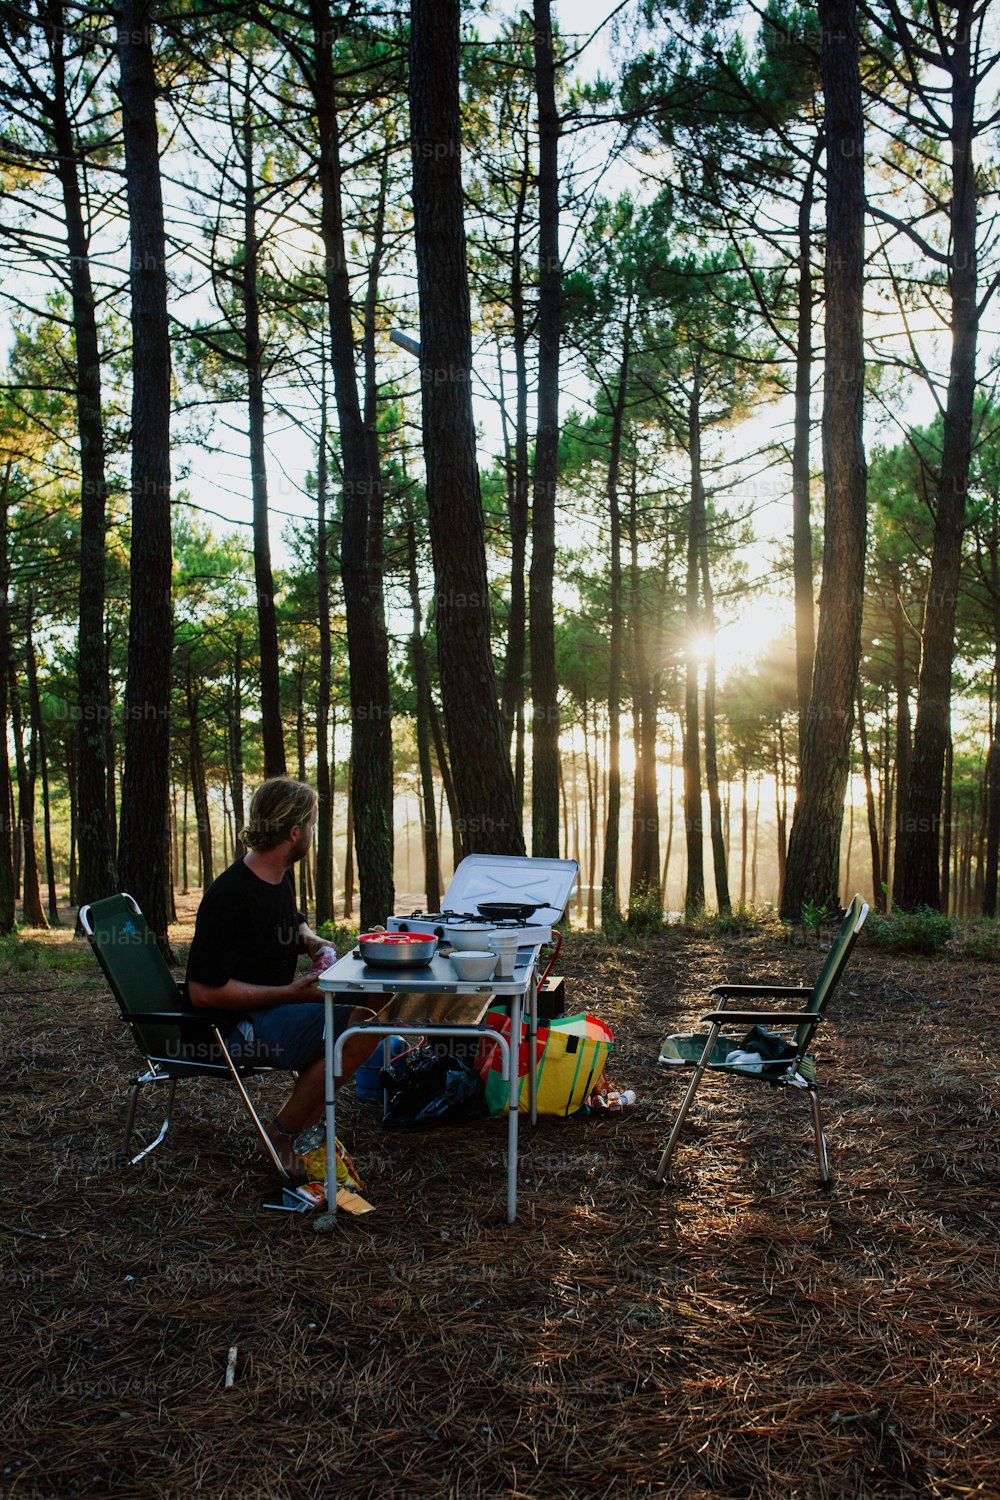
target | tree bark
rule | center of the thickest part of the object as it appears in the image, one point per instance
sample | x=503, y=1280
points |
x=349, y=850
x=610, y=915
x=512, y=702
x=40, y=753
x=324, y=821
x=918, y=871
x=447, y=783
x=802, y=561
x=26, y=766
x=199, y=787
x=813, y=869
x=96, y=875
x=8, y=899
x=267, y=613
x=993, y=783
x=866, y=766
x=145, y=785
x=694, y=893
x=719, y=862
x=490, y=819
x=544, y=686
x=418, y=663
x=371, y=706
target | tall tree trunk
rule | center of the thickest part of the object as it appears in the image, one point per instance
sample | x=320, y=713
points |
x=447, y=783
x=349, y=842
x=70, y=749
x=235, y=705
x=300, y=771
x=949, y=766
x=753, y=855
x=376, y=499
x=371, y=706
x=31, y=896
x=610, y=915
x=199, y=786
x=41, y=755
x=267, y=613
x=802, y=560
x=512, y=703
x=418, y=663
x=866, y=766
x=96, y=877
x=145, y=785
x=544, y=686
x=919, y=880
x=324, y=789
x=670, y=825
x=694, y=894
x=479, y=759
x=590, y=773
x=902, y=690
x=8, y=899
x=719, y=863
x=813, y=870
x=993, y=784
x=645, y=881
x=744, y=830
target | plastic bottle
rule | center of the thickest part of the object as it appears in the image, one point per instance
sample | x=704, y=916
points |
x=628, y=1098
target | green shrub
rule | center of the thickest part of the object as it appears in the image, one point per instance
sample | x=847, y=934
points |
x=922, y=931
x=979, y=938
x=737, y=922
x=343, y=938
x=645, y=914
x=18, y=955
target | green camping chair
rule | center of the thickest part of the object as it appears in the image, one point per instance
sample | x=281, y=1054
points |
x=708, y=1051
x=175, y=1042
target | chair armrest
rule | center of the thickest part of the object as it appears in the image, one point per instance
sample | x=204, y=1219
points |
x=758, y=1017
x=183, y=1018
x=758, y=991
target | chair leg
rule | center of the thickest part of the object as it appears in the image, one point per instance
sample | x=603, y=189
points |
x=133, y=1100
x=686, y=1103
x=822, y=1155
x=265, y=1138
x=163, y=1128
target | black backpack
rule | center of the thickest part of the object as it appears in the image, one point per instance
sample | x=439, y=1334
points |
x=431, y=1086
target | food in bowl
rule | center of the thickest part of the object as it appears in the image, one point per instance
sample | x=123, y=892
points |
x=397, y=950
x=474, y=965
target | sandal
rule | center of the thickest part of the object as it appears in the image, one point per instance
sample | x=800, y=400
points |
x=283, y=1142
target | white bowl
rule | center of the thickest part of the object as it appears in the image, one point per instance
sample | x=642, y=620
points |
x=474, y=965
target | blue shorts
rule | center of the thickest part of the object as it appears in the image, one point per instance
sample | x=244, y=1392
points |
x=287, y=1036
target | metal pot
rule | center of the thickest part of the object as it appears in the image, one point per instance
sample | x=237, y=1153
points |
x=468, y=935
x=397, y=950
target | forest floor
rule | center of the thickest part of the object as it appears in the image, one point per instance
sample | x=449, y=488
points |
x=739, y=1334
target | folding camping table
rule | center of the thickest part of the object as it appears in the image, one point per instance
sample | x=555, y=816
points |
x=433, y=1002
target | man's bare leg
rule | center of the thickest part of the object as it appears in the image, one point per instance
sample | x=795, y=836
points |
x=306, y=1104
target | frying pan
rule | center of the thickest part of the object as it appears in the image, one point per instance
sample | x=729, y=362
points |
x=507, y=911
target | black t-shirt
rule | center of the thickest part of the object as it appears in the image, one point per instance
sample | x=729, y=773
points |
x=246, y=929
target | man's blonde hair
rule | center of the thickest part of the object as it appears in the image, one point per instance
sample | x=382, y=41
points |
x=277, y=806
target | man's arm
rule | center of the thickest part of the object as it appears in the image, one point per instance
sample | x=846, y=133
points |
x=237, y=995
x=309, y=942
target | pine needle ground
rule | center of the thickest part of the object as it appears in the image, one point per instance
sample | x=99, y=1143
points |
x=740, y=1333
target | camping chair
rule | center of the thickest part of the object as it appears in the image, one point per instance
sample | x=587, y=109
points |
x=176, y=1043
x=796, y=1070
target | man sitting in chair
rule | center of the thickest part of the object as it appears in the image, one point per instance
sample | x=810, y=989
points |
x=248, y=937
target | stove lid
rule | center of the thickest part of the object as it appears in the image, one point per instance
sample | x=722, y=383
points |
x=512, y=877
